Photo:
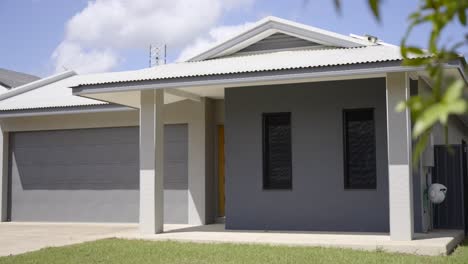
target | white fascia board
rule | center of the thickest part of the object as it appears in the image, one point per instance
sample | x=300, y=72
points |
x=63, y=111
x=258, y=80
x=271, y=25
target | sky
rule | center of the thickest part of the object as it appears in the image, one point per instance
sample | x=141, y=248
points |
x=43, y=37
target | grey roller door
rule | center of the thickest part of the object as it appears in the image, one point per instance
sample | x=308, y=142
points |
x=84, y=175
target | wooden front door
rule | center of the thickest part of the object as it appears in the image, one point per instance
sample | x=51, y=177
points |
x=221, y=179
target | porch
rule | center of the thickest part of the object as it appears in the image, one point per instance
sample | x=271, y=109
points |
x=391, y=207
x=438, y=242
x=386, y=207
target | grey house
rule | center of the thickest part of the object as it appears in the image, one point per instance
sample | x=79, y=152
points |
x=282, y=127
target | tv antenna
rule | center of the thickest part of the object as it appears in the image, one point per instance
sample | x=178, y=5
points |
x=157, y=55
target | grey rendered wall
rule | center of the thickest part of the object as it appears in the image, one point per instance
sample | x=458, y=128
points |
x=196, y=115
x=418, y=188
x=318, y=200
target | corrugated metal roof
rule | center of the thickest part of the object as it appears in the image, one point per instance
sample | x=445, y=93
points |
x=11, y=79
x=280, y=60
x=49, y=95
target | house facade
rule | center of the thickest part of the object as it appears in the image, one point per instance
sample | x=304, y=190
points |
x=282, y=127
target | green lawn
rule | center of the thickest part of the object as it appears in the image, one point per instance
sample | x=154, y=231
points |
x=136, y=251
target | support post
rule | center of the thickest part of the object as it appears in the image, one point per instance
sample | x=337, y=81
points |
x=3, y=175
x=151, y=162
x=399, y=159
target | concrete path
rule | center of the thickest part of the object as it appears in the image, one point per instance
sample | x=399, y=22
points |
x=17, y=238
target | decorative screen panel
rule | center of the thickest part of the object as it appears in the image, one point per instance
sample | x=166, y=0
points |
x=359, y=140
x=277, y=172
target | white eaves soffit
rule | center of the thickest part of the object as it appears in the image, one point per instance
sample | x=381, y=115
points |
x=132, y=98
x=272, y=25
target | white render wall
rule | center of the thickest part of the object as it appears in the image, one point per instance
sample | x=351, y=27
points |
x=198, y=115
x=183, y=112
x=151, y=162
x=399, y=159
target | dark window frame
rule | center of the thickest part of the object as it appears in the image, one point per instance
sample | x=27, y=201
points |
x=265, y=178
x=345, y=149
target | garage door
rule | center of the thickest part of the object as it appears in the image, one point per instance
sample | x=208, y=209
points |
x=90, y=175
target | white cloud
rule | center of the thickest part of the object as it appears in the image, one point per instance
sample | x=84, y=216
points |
x=95, y=36
x=215, y=36
x=70, y=55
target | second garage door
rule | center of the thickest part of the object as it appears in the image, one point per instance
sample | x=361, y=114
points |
x=91, y=175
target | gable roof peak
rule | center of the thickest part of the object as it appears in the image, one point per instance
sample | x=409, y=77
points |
x=271, y=25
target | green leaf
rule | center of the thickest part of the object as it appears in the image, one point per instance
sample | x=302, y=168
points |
x=462, y=16
x=457, y=108
x=428, y=118
x=420, y=146
x=433, y=41
x=415, y=50
x=401, y=106
x=374, y=5
x=415, y=61
x=454, y=91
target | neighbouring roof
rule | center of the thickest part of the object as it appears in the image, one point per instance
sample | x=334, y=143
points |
x=48, y=92
x=273, y=61
x=12, y=79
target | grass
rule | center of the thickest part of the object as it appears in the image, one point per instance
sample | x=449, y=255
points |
x=138, y=251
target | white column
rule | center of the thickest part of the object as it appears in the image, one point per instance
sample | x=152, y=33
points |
x=399, y=159
x=3, y=175
x=151, y=162
x=197, y=165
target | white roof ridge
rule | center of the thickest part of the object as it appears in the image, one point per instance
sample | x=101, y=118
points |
x=36, y=84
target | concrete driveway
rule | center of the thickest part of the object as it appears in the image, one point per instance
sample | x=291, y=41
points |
x=17, y=238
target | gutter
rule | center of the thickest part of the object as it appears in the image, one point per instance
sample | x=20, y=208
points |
x=258, y=78
x=64, y=110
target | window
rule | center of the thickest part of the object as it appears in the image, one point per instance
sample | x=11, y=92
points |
x=359, y=149
x=277, y=172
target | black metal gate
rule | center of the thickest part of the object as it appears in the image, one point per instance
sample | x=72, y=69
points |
x=465, y=182
x=449, y=171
